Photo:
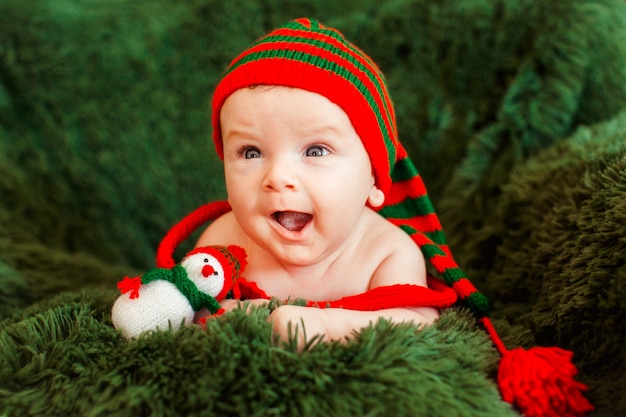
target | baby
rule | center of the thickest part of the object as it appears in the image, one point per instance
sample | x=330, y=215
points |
x=329, y=207
x=324, y=199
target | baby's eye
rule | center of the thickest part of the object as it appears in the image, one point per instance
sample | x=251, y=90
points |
x=250, y=152
x=316, y=151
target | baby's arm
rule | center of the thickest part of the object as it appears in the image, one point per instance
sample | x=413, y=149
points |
x=404, y=265
x=338, y=323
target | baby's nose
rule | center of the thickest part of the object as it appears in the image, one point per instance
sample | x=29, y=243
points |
x=280, y=175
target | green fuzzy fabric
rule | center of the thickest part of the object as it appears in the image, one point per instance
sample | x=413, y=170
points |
x=64, y=358
x=513, y=111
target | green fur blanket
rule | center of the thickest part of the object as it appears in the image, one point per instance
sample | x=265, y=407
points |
x=512, y=111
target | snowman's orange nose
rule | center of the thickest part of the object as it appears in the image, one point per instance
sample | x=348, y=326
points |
x=207, y=271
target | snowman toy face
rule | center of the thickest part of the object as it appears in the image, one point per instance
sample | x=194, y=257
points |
x=206, y=272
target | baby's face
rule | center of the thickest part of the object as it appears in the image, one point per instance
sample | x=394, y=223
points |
x=297, y=174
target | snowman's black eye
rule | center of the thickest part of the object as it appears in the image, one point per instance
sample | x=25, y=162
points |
x=215, y=273
x=206, y=260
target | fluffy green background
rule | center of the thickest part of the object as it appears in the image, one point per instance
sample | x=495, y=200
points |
x=511, y=111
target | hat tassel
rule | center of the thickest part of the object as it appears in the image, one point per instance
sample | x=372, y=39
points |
x=539, y=381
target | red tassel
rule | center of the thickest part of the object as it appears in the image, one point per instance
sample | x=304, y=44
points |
x=540, y=381
x=130, y=284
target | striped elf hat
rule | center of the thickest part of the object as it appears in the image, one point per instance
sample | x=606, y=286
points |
x=308, y=55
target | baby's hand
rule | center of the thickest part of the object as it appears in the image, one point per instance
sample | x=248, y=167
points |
x=338, y=324
x=302, y=322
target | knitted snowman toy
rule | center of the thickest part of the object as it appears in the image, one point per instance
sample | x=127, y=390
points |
x=170, y=296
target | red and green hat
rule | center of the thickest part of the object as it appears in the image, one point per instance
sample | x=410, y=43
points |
x=306, y=54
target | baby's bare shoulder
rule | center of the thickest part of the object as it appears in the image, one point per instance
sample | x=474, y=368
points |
x=400, y=259
x=388, y=237
x=223, y=231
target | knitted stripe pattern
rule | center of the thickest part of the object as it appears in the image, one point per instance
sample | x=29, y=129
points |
x=308, y=55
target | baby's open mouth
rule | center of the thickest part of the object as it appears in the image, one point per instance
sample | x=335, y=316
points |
x=292, y=220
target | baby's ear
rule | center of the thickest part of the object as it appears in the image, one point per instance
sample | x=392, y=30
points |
x=376, y=197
